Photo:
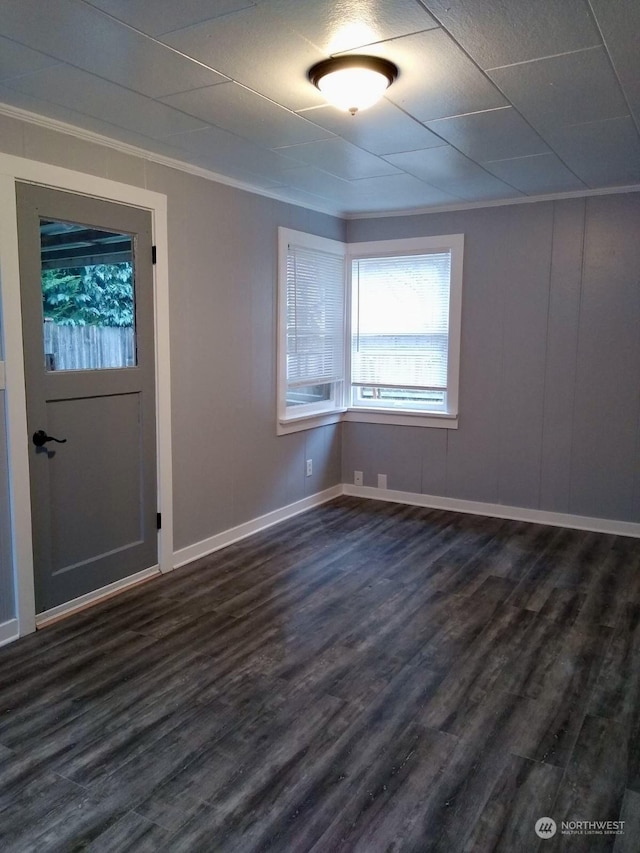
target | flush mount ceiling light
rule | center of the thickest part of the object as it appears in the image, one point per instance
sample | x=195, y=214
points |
x=353, y=83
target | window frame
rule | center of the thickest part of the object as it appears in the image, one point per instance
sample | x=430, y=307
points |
x=304, y=416
x=338, y=407
x=447, y=418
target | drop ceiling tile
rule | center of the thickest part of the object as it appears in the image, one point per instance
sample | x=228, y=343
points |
x=339, y=158
x=452, y=172
x=568, y=89
x=228, y=151
x=78, y=120
x=501, y=33
x=96, y=97
x=16, y=60
x=349, y=24
x=232, y=107
x=257, y=49
x=436, y=78
x=619, y=23
x=536, y=175
x=603, y=153
x=74, y=32
x=162, y=16
x=297, y=196
x=395, y=192
x=490, y=135
x=382, y=129
x=314, y=181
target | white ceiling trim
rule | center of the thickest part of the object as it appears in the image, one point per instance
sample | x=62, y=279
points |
x=216, y=177
x=146, y=154
x=473, y=205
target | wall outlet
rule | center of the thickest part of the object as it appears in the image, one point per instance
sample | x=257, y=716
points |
x=309, y=467
x=357, y=478
x=382, y=481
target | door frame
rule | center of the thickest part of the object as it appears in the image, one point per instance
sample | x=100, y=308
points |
x=13, y=169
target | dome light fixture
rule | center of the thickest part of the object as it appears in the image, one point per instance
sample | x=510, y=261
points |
x=353, y=83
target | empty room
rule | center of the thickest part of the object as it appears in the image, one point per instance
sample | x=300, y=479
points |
x=320, y=426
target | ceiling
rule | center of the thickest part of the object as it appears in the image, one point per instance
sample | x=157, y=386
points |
x=496, y=99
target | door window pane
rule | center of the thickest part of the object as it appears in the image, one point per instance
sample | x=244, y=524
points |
x=88, y=300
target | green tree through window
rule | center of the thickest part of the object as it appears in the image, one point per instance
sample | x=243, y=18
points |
x=98, y=295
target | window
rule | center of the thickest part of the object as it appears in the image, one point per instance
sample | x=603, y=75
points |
x=312, y=324
x=399, y=316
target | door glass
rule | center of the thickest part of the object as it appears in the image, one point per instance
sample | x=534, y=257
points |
x=87, y=297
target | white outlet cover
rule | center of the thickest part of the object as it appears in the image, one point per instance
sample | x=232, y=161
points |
x=382, y=481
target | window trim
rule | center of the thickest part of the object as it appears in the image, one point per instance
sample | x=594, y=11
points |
x=309, y=415
x=338, y=408
x=407, y=246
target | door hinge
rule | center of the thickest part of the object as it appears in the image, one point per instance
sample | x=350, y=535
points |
x=159, y=520
x=154, y=254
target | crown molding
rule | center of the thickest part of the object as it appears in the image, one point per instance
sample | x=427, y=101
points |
x=153, y=157
x=273, y=193
x=475, y=205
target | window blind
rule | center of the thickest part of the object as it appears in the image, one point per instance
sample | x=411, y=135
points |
x=400, y=322
x=315, y=317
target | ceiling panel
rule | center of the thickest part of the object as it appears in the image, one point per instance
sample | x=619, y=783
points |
x=393, y=192
x=339, y=158
x=258, y=49
x=223, y=149
x=501, y=33
x=382, y=129
x=79, y=34
x=335, y=27
x=619, y=23
x=16, y=60
x=490, y=135
x=61, y=113
x=162, y=16
x=495, y=98
x=536, y=175
x=436, y=78
x=312, y=180
x=452, y=172
x=567, y=89
x=241, y=111
x=602, y=153
x=94, y=96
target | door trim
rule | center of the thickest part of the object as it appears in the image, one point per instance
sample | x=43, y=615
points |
x=14, y=169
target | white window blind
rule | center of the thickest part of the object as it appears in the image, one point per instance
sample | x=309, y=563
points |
x=400, y=321
x=315, y=317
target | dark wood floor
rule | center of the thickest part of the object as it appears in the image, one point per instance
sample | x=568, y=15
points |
x=367, y=676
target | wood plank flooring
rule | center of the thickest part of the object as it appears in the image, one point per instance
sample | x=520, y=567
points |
x=365, y=677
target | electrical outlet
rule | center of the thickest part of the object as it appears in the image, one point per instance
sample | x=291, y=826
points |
x=382, y=481
x=357, y=478
x=309, y=467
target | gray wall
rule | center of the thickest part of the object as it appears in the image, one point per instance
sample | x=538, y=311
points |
x=229, y=466
x=550, y=373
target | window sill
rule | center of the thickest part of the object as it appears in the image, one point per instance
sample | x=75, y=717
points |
x=311, y=421
x=435, y=420
x=366, y=416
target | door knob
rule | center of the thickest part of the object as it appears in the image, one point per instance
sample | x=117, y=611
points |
x=40, y=438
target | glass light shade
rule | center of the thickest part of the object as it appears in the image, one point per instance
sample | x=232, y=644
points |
x=353, y=82
x=353, y=89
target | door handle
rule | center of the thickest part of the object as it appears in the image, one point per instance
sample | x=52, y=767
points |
x=40, y=438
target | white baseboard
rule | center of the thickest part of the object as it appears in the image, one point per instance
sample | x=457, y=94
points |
x=47, y=617
x=9, y=631
x=234, y=534
x=516, y=513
